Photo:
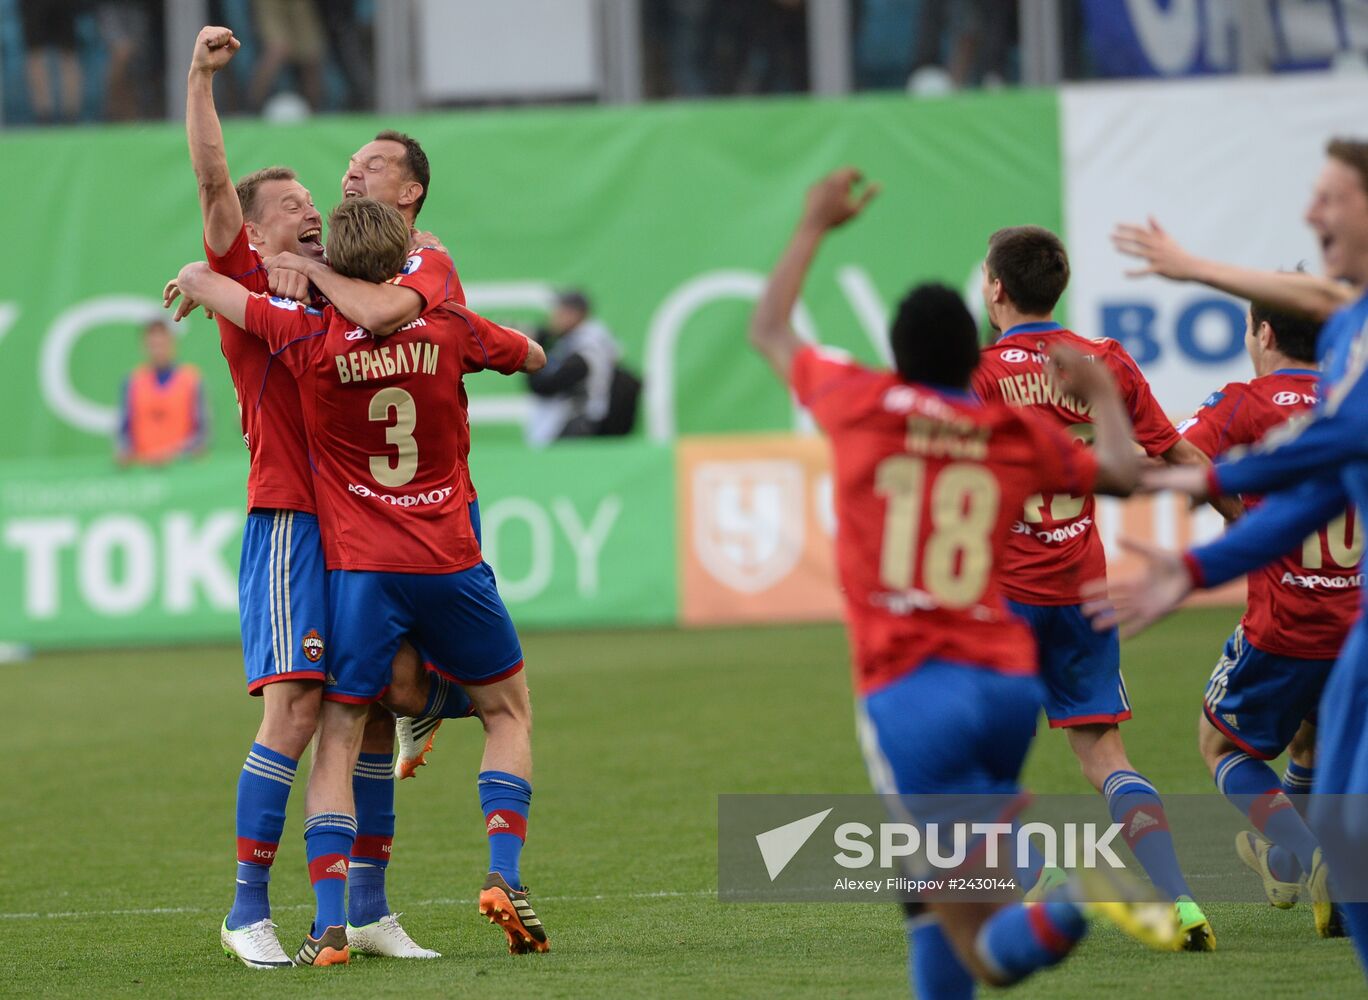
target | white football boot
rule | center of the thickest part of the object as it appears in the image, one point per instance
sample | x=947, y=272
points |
x=255, y=946
x=387, y=938
x=415, y=742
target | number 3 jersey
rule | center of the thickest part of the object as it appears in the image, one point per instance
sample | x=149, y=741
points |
x=384, y=417
x=1303, y=604
x=1055, y=547
x=928, y=484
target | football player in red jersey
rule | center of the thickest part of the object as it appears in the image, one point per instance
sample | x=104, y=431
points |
x=282, y=588
x=402, y=554
x=1299, y=610
x=1055, y=547
x=392, y=168
x=928, y=483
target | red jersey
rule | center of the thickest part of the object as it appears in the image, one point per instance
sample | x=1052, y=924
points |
x=1055, y=546
x=268, y=401
x=928, y=484
x=1303, y=604
x=431, y=273
x=380, y=414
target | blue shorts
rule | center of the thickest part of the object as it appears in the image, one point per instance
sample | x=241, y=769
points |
x=282, y=598
x=1257, y=699
x=948, y=729
x=457, y=621
x=1079, y=667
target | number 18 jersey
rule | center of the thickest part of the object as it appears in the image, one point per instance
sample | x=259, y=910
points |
x=382, y=415
x=1055, y=547
x=928, y=483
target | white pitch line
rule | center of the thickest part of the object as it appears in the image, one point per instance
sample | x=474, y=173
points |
x=159, y=910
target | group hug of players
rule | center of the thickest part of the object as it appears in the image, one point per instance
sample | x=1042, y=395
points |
x=974, y=575
x=363, y=593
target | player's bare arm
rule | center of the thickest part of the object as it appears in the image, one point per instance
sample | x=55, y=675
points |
x=1138, y=601
x=219, y=205
x=1187, y=453
x=215, y=291
x=1118, y=464
x=536, y=356
x=380, y=309
x=831, y=203
x=1292, y=291
x=185, y=306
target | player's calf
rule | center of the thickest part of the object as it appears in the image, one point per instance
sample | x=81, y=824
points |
x=330, y=830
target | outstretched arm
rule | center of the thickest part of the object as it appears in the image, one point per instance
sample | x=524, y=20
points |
x=380, y=309
x=1118, y=463
x=1273, y=529
x=1187, y=453
x=215, y=291
x=218, y=199
x=1290, y=291
x=831, y=202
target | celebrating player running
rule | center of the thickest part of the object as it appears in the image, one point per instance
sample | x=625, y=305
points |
x=929, y=482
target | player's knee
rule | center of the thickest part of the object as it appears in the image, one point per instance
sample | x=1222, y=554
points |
x=1302, y=749
x=290, y=716
x=379, y=732
x=408, y=690
x=1212, y=743
x=505, y=705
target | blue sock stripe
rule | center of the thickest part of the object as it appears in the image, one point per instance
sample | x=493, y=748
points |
x=273, y=756
x=251, y=768
x=499, y=784
x=266, y=764
x=1120, y=783
x=1296, y=776
x=330, y=823
x=437, y=695
x=1226, y=765
x=250, y=874
x=374, y=772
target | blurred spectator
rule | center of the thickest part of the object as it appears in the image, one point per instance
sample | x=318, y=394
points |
x=127, y=29
x=582, y=391
x=760, y=46
x=963, y=44
x=718, y=47
x=50, y=35
x=351, y=35
x=162, y=412
x=882, y=59
x=291, y=35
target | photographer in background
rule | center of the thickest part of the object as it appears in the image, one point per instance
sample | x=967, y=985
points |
x=582, y=391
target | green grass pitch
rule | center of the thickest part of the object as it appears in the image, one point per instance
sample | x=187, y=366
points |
x=117, y=807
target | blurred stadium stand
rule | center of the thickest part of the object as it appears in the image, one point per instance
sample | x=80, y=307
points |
x=402, y=55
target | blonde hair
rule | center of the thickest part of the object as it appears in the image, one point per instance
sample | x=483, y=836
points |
x=247, y=188
x=367, y=239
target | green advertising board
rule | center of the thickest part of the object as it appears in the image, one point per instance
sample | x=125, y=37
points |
x=92, y=555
